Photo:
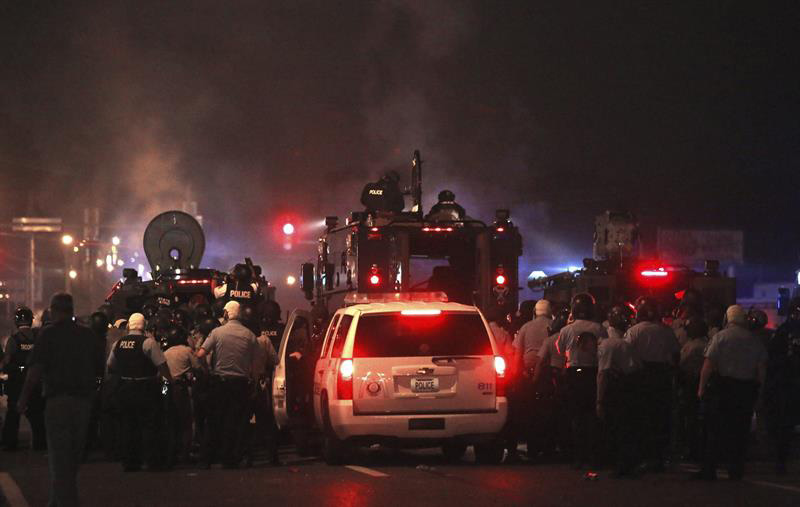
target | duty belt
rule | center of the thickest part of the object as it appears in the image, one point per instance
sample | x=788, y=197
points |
x=138, y=379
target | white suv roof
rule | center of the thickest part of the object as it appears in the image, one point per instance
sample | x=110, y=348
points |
x=399, y=306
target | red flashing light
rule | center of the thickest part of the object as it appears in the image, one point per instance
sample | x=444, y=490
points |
x=374, y=229
x=375, y=280
x=194, y=282
x=500, y=279
x=501, y=229
x=655, y=273
x=437, y=229
x=344, y=382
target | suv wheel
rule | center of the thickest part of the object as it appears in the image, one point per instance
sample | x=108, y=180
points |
x=454, y=451
x=334, y=450
x=489, y=453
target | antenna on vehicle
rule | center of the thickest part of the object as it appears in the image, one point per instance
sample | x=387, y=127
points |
x=416, y=182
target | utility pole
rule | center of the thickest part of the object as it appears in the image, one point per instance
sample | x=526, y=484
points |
x=33, y=226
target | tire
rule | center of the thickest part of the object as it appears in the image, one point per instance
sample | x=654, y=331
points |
x=489, y=453
x=334, y=451
x=454, y=451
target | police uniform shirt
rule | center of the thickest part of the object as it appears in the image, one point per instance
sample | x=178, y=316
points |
x=549, y=350
x=501, y=338
x=275, y=333
x=232, y=348
x=19, y=346
x=530, y=338
x=692, y=355
x=567, y=343
x=150, y=348
x=614, y=353
x=653, y=342
x=736, y=352
x=181, y=360
x=222, y=290
x=265, y=357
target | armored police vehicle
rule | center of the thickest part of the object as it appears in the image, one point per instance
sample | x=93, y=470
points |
x=618, y=274
x=174, y=244
x=395, y=268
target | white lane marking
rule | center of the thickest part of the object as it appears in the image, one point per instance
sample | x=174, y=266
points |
x=774, y=485
x=366, y=471
x=11, y=491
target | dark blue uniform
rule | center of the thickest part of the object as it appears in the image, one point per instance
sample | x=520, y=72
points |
x=20, y=346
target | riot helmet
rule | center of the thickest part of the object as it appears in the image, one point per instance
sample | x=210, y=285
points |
x=218, y=309
x=180, y=318
x=149, y=310
x=98, y=323
x=241, y=272
x=646, y=310
x=177, y=336
x=249, y=318
x=270, y=312
x=392, y=177
x=200, y=313
x=696, y=327
x=757, y=319
x=206, y=326
x=619, y=317
x=446, y=196
x=23, y=317
x=583, y=306
x=794, y=309
x=559, y=321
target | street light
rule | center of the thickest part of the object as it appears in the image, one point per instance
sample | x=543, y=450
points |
x=67, y=239
x=288, y=229
x=291, y=280
x=115, y=241
x=73, y=274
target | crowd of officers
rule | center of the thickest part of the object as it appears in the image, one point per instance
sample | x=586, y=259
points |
x=173, y=386
x=635, y=388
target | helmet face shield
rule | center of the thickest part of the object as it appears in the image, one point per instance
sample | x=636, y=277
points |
x=23, y=316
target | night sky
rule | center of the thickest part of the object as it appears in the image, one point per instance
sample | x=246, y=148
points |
x=685, y=114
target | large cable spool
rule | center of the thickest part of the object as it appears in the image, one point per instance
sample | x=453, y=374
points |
x=174, y=240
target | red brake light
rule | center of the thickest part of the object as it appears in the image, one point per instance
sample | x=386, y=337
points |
x=374, y=279
x=500, y=229
x=421, y=312
x=500, y=375
x=344, y=381
x=501, y=279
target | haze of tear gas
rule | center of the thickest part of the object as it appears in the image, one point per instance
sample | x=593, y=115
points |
x=685, y=114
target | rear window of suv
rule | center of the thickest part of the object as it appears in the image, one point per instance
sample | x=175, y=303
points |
x=398, y=335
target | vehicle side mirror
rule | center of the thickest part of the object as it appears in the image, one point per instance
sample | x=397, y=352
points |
x=307, y=280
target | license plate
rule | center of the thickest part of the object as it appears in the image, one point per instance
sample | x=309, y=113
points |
x=425, y=385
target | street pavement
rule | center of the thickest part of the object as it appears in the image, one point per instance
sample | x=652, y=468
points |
x=383, y=477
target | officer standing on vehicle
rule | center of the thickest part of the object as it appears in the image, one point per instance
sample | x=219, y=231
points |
x=384, y=194
x=232, y=348
x=739, y=361
x=19, y=347
x=447, y=209
x=578, y=342
x=138, y=360
x=616, y=399
x=657, y=348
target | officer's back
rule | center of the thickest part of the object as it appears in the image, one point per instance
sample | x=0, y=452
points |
x=232, y=346
x=653, y=342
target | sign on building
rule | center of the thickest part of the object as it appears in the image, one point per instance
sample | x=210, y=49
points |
x=691, y=247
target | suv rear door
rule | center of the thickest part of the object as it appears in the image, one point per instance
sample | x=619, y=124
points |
x=422, y=362
x=297, y=329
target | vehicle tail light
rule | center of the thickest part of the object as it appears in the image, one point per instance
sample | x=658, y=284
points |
x=344, y=381
x=500, y=375
x=375, y=280
x=431, y=311
x=501, y=279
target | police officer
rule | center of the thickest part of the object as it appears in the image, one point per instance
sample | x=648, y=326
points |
x=616, y=399
x=264, y=361
x=447, y=209
x=657, y=348
x=98, y=323
x=739, y=361
x=182, y=364
x=549, y=381
x=526, y=345
x=271, y=325
x=384, y=194
x=138, y=360
x=689, y=367
x=232, y=348
x=782, y=389
x=578, y=342
x=19, y=347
